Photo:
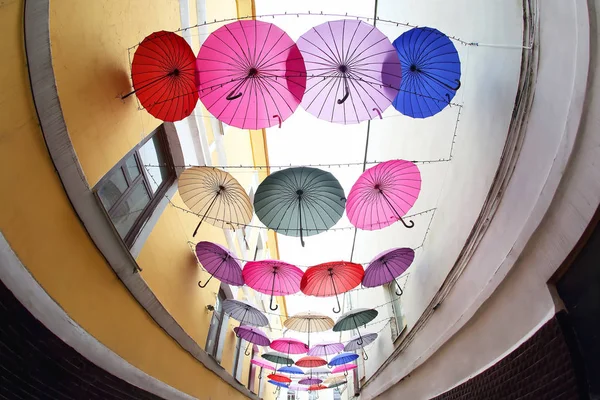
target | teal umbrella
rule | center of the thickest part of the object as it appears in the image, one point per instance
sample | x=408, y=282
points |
x=352, y=320
x=277, y=358
x=300, y=201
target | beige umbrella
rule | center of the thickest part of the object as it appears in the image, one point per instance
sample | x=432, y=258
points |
x=332, y=380
x=309, y=322
x=216, y=196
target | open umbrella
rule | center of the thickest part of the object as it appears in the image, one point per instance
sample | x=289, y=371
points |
x=279, y=378
x=251, y=335
x=244, y=312
x=353, y=71
x=383, y=194
x=219, y=263
x=337, y=384
x=291, y=370
x=272, y=277
x=263, y=365
x=289, y=346
x=331, y=279
x=310, y=381
x=312, y=388
x=277, y=358
x=300, y=201
x=318, y=371
x=310, y=362
x=352, y=320
x=308, y=322
x=163, y=72
x=387, y=266
x=342, y=359
x=216, y=196
x=359, y=342
x=326, y=349
x=430, y=72
x=250, y=74
x=297, y=387
x=335, y=379
x=345, y=367
x=278, y=384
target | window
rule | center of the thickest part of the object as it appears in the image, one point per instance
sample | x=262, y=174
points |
x=291, y=395
x=130, y=191
x=238, y=362
x=313, y=395
x=396, y=303
x=217, y=328
x=252, y=373
x=337, y=395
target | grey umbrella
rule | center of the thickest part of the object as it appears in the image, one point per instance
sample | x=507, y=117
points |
x=300, y=201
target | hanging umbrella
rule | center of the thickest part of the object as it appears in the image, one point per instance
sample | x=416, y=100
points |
x=216, y=196
x=291, y=370
x=277, y=358
x=345, y=367
x=297, y=387
x=317, y=371
x=279, y=378
x=342, y=359
x=310, y=362
x=300, y=201
x=383, y=195
x=251, y=74
x=251, y=335
x=277, y=383
x=337, y=384
x=353, y=71
x=219, y=263
x=335, y=379
x=313, y=388
x=430, y=72
x=352, y=320
x=272, y=277
x=289, y=346
x=263, y=365
x=387, y=266
x=326, y=349
x=308, y=322
x=163, y=78
x=359, y=342
x=310, y=381
x=244, y=312
x=331, y=279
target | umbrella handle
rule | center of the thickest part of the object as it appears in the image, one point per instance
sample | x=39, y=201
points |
x=454, y=88
x=339, y=307
x=203, y=286
x=279, y=118
x=365, y=355
x=271, y=305
x=272, y=290
x=378, y=112
x=343, y=99
x=231, y=96
x=399, y=288
x=246, y=351
x=410, y=225
x=212, y=203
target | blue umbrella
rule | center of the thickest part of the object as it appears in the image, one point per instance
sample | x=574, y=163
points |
x=291, y=370
x=430, y=72
x=343, y=358
x=278, y=384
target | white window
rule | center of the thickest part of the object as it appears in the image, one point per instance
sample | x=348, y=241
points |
x=398, y=314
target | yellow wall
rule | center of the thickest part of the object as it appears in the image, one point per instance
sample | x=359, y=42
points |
x=37, y=219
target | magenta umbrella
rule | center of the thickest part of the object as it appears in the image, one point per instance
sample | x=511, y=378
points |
x=272, y=277
x=250, y=74
x=383, y=194
x=344, y=368
x=387, y=266
x=219, y=263
x=310, y=381
x=326, y=349
x=251, y=335
x=289, y=346
x=353, y=71
x=263, y=365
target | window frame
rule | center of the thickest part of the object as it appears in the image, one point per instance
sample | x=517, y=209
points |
x=219, y=327
x=144, y=178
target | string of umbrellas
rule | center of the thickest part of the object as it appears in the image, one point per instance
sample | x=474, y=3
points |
x=250, y=74
x=321, y=366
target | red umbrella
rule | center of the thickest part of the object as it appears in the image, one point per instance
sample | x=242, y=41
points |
x=310, y=362
x=317, y=387
x=279, y=378
x=163, y=74
x=272, y=277
x=331, y=279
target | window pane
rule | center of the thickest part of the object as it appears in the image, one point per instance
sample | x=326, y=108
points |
x=112, y=189
x=213, y=332
x=151, y=153
x=132, y=168
x=127, y=212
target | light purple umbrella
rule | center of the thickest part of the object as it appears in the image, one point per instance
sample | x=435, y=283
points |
x=353, y=71
x=359, y=342
x=387, y=266
x=297, y=387
x=310, y=381
x=219, y=262
x=251, y=335
x=326, y=349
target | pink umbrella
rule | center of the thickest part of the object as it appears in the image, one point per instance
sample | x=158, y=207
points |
x=344, y=368
x=289, y=346
x=298, y=387
x=272, y=277
x=310, y=381
x=353, y=70
x=263, y=365
x=383, y=195
x=219, y=262
x=326, y=349
x=387, y=266
x=250, y=74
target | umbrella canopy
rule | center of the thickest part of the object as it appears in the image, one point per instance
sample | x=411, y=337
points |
x=331, y=279
x=345, y=367
x=334, y=385
x=251, y=335
x=326, y=349
x=272, y=277
x=310, y=362
x=301, y=201
x=298, y=387
x=341, y=359
x=277, y=358
x=430, y=72
x=383, y=194
x=335, y=379
x=308, y=322
x=263, y=364
x=244, y=312
x=219, y=263
x=163, y=72
x=216, y=196
x=352, y=320
x=277, y=383
x=310, y=381
x=318, y=371
x=313, y=388
x=291, y=370
x=279, y=378
x=289, y=346
x=387, y=266
x=353, y=71
x=250, y=74
x=359, y=342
